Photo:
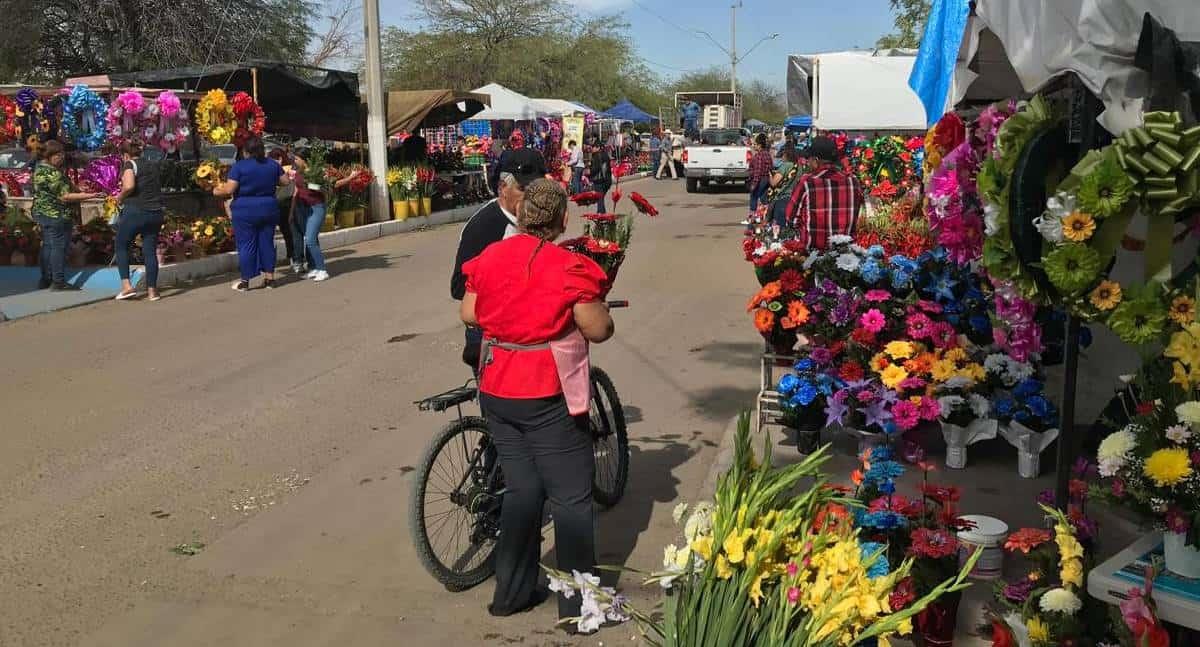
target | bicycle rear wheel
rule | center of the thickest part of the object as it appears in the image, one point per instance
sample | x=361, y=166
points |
x=610, y=440
x=454, y=510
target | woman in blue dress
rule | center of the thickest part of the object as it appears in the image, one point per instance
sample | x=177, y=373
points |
x=251, y=184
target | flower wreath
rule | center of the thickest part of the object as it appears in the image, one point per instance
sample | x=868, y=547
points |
x=34, y=118
x=128, y=118
x=215, y=120
x=172, y=127
x=10, y=130
x=83, y=120
x=249, y=118
x=888, y=166
x=1153, y=169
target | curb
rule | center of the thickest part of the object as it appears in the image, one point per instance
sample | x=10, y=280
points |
x=724, y=459
x=225, y=263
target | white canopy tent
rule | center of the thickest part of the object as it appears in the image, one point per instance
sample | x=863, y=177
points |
x=860, y=91
x=1011, y=46
x=509, y=105
x=562, y=108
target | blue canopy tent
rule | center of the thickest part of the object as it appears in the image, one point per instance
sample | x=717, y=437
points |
x=798, y=121
x=626, y=111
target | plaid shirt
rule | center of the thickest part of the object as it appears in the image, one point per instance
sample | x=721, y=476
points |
x=824, y=203
x=761, y=166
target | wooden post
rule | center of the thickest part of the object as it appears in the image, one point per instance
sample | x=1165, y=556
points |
x=254, y=83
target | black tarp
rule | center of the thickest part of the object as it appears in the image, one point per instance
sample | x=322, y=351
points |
x=298, y=100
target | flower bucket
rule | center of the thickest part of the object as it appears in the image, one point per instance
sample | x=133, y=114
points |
x=18, y=258
x=5, y=257
x=345, y=218
x=1181, y=559
x=989, y=534
x=426, y=206
x=414, y=207
x=329, y=222
x=935, y=625
x=958, y=438
x=179, y=252
x=1030, y=444
x=360, y=216
x=400, y=210
x=199, y=251
x=867, y=439
x=161, y=255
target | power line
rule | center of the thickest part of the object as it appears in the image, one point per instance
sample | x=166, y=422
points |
x=689, y=31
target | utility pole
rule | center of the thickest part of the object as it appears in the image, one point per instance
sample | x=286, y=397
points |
x=733, y=59
x=376, y=113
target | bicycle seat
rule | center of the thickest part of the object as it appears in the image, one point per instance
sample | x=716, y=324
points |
x=451, y=398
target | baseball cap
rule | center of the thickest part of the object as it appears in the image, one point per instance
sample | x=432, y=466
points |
x=525, y=164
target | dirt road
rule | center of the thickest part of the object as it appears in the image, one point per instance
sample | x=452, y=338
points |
x=272, y=434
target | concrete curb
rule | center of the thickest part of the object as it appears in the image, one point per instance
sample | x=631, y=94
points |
x=724, y=459
x=217, y=264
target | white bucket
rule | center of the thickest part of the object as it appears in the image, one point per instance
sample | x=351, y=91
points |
x=1181, y=559
x=989, y=534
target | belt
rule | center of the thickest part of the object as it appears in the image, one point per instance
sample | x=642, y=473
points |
x=485, y=349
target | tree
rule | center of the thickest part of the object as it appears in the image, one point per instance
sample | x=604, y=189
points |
x=340, y=43
x=67, y=37
x=910, y=18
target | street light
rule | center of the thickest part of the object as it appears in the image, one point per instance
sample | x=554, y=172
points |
x=731, y=52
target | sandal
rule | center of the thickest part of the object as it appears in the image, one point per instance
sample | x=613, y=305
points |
x=127, y=295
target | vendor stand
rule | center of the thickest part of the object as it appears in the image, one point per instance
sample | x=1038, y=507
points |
x=435, y=116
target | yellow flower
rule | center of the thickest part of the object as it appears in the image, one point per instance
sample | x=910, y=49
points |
x=756, y=593
x=899, y=349
x=1183, y=310
x=956, y=354
x=878, y=362
x=203, y=171
x=702, y=546
x=1167, y=467
x=216, y=98
x=1039, y=631
x=1185, y=345
x=1107, y=295
x=1180, y=376
x=893, y=375
x=1034, y=575
x=942, y=370
x=208, y=231
x=724, y=571
x=1078, y=227
x=1072, y=572
x=735, y=545
x=905, y=627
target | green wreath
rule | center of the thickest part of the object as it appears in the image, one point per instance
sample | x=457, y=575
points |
x=1154, y=170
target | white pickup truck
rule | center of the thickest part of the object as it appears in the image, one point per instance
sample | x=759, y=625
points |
x=722, y=156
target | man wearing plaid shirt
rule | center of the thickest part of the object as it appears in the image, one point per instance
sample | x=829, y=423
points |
x=825, y=202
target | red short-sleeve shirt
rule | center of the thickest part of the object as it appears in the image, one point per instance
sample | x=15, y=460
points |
x=523, y=297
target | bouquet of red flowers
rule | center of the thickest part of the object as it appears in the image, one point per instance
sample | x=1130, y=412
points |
x=606, y=235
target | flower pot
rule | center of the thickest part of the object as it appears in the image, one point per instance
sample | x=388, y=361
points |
x=400, y=210
x=199, y=251
x=414, y=207
x=426, y=206
x=345, y=218
x=1181, y=559
x=33, y=257
x=1030, y=444
x=179, y=252
x=161, y=255
x=958, y=438
x=329, y=222
x=5, y=256
x=17, y=258
x=935, y=625
x=989, y=534
x=867, y=439
x=360, y=216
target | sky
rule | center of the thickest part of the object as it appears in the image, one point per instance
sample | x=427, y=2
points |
x=663, y=30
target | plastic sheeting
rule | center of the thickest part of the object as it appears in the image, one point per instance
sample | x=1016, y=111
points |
x=562, y=108
x=856, y=91
x=933, y=72
x=625, y=110
x=410, y=110
x=509, y=105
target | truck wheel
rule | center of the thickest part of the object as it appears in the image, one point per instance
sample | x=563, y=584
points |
x=691, y=185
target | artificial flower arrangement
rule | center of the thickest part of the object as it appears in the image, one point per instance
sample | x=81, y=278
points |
x=898, y=227
x=401, y=182
x=1152, y=465
x=101, y=175
x=888, y=167
x=425, y=177
x=773, y=562
x=209, y=174
x=1049, y=605
x=249, y=119
x=212, y=234
x=84, y=119
x=215, y=119
x=353, y=195
x=98, y=239
x=10, y=128
x=18, y=234
x=606, y=236
x=175, y=236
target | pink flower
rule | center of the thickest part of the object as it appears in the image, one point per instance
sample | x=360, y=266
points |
x=876, y=296
x=792, y=569
x=1176, y=521
x=1196, y=459
x=912, y=384
x=906, y=414
x=793, y=595
x=929, y=306
x=866, y=396
x=919, y=326
x=943, y=335
x=873, y=320
x=1118, y=488
x=929, y=409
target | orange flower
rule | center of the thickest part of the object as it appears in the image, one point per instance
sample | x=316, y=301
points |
x=832, y=515
x=1026, y=539
x=754, y=301
x=771, y=290
x=798, y=312
x=856, y=477
x=764, y=321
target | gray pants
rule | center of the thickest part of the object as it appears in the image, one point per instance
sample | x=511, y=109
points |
x=666, y=162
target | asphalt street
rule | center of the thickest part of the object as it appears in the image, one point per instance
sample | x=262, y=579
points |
x=273, y=435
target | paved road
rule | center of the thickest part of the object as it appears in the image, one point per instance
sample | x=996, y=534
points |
x=276, y=429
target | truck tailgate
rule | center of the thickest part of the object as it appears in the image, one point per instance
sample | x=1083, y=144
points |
x=731, y=158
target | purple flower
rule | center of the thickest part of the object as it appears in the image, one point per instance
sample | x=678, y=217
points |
x=835, y=411
x=876, y=414
x=913, y=452
x=821, y=355
x=1085, y=528
x=1046, y=497
x=1018, y=592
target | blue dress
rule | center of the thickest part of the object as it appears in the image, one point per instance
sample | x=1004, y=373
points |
x=255, y=197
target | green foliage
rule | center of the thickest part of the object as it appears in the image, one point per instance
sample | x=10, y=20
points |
x=910, y=17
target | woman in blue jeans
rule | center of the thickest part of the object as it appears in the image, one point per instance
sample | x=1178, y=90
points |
x=309, y=214
x=53, y=200
x=141, y=213
x=255, y=212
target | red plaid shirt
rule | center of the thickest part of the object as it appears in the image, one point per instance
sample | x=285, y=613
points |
x=761, y=166
x=824, y=203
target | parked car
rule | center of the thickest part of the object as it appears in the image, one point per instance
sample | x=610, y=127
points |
x=721, y=157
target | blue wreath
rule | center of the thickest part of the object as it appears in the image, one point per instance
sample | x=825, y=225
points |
x=81, y=101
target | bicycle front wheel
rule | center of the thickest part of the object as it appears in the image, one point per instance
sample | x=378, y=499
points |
x=610, y=440
x=455, y=510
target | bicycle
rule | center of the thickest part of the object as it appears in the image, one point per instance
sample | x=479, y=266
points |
x=462, y=459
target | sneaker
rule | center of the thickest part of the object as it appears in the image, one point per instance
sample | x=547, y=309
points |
x=311, y=274
x=297, y=268
x=321, y=275
x=242, y=286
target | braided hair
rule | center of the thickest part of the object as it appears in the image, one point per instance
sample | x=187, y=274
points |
x=542, y=213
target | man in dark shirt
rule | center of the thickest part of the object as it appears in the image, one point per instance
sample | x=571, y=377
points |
x=493, y=222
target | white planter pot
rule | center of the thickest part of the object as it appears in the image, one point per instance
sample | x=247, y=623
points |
x=1181, y=559
x=1030, y=444
x=958, y=438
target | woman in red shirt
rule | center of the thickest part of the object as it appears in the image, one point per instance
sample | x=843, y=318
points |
x=525, y=293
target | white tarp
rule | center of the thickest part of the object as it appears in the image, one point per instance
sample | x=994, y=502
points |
x=561, y=108
x=856, y=91
x=1096, y=39
x=509, y=105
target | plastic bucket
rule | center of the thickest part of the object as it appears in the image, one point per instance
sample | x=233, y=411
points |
x=989, y=534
